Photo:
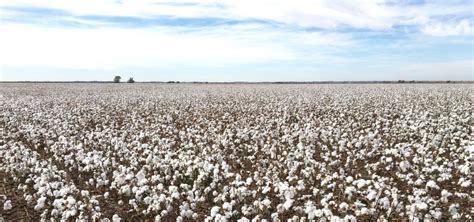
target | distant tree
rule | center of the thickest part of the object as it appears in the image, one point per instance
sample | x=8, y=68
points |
x=117, y=79
x=131, y=80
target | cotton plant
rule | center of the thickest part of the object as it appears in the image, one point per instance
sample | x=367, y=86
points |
x=246, y=152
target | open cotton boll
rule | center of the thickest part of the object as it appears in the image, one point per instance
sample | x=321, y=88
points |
x=343, y=206
x=288, y=204
x=432, y=184
x=371, y=195
x=214, y=211
x=40, y=203
x=116, y=218
x=421, y=206
x=243, y=219
x=7, y=205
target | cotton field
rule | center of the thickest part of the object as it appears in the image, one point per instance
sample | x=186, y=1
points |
x=236, y=152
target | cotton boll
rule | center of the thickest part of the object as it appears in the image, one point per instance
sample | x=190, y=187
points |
x=421, y=206
x=243, y=219
x=464, y=183
x=116, y=218
x=404, y=166
x=7, y=205
x=350, y=218
x=364, y=211
x=266, y=202
x=453, y=210
x=349, y=179
x=343, y=206
x=288, y=204
x=432, y=184
x=40, y=203
x=371, y=195
x=85, y=193
x=437, y=214
x=214, y=211
x=158, y=218
x=266, y=190
x=227, y=206
x=249, y=181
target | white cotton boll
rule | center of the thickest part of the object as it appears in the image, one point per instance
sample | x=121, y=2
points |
x=300, y=185
x=432, y=184
x=465, y=169
x=280, y=208
x=288, y=204
x=453, y=210
x=350, y=218
x=360, y=183
x=371, y=195
x=28, y=198
x=147, y=200
x=318, y=213
x=73, y=212
x=219, y=217
x=243, y=219
x=404, y=165
x=437, y=214
x=295, y=218
x=85, y=193
x=158, y=218
x=249, y=181
x=385, y=203
x=54, y=213
x=464, y=182
x=349, y=179
x=40, y=203
x=421, y=206
x=364, y=211
x=116, y=218
x=7, y=205
x=343, y=206
x=227, y=206
x=335, y=219
x=350, y=190
x=214, y=211
x=266, y=190
x=419, y=182
x=266, y=202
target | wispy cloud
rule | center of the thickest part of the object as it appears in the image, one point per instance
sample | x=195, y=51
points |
x=463, y=27
x=362, y=14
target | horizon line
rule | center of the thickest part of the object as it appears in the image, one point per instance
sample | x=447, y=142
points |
x=255, y=82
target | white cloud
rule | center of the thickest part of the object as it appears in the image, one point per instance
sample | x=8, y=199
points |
x=370, y=14
x=463, y=27
x=108, y=48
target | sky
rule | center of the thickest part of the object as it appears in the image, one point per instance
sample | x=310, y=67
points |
x=236, y=40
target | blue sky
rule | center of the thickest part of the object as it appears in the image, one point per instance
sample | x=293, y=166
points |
x=236, y=40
